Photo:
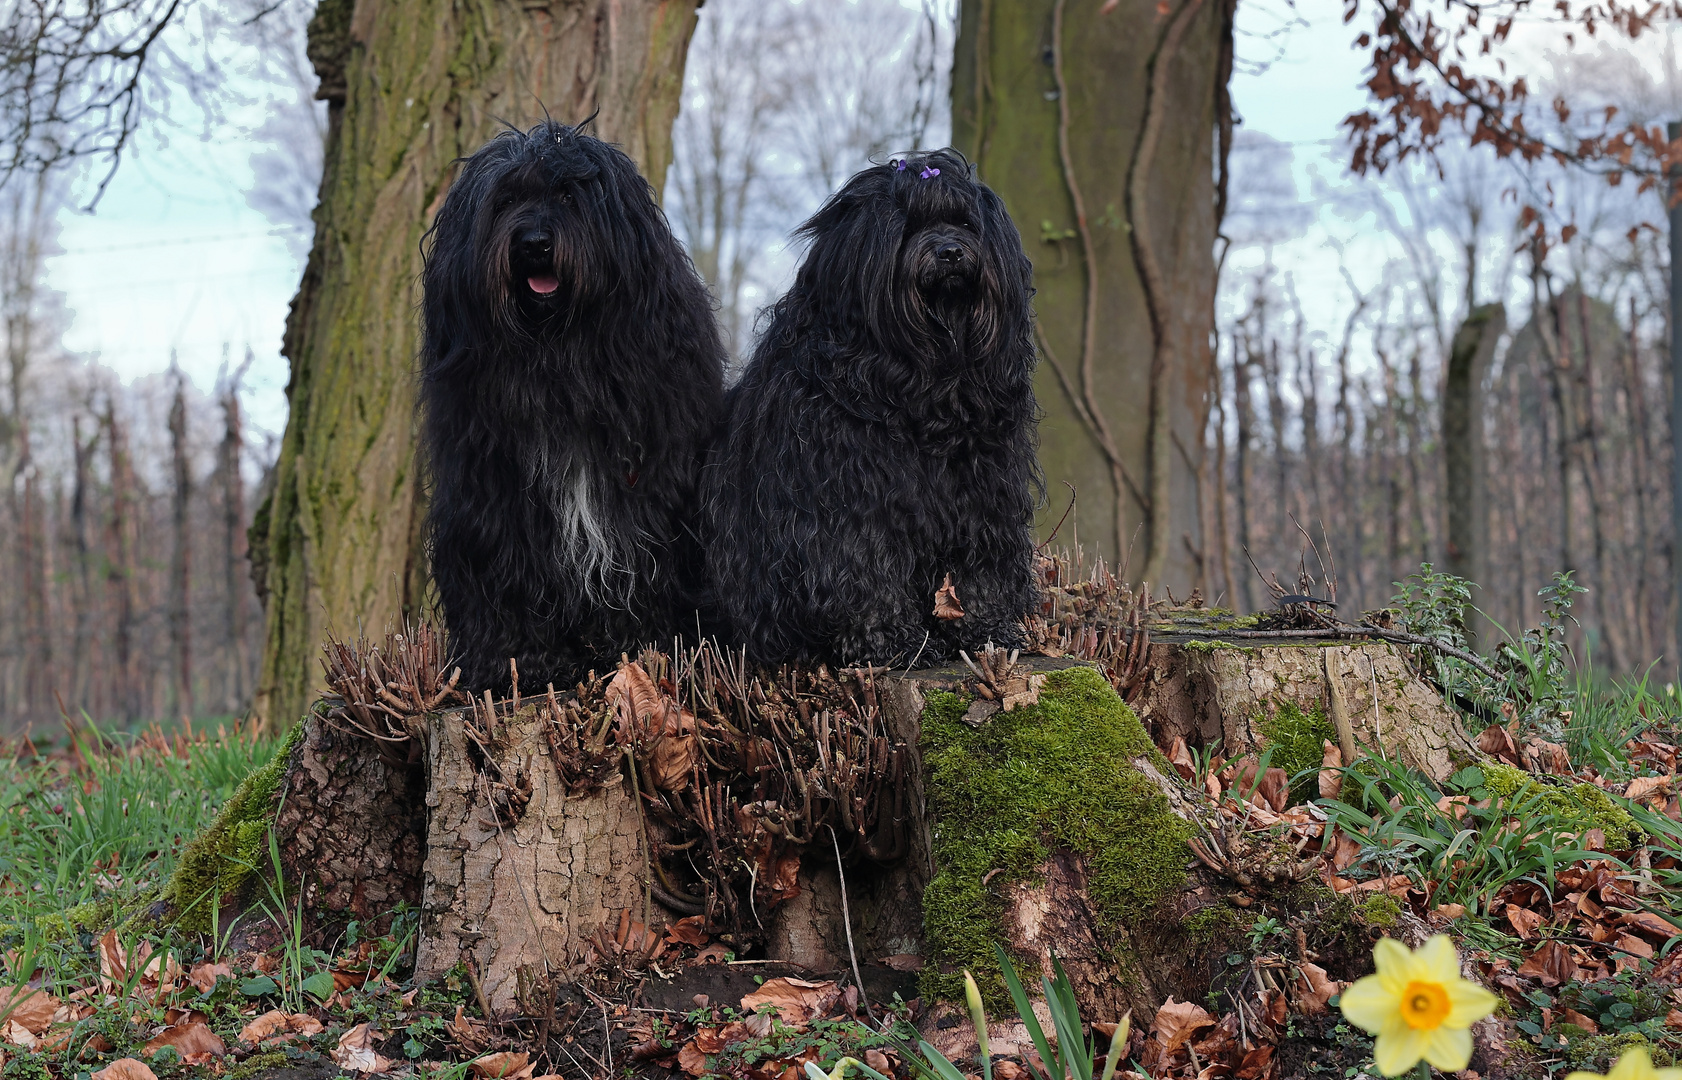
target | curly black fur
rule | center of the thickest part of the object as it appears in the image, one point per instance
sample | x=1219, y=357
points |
x=882, y=436
x=571, y=374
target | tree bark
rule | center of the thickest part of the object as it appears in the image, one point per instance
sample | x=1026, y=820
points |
x=232, y=454
x=522, y=897
x=1466, y=553
x=1098, y=128
x=1233, y=693
x=517, y=829
x=82, y=594
x=120, y=572
x=412, y=87
x=180, y=625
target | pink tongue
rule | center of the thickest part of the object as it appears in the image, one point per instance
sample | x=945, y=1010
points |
x=543, y=285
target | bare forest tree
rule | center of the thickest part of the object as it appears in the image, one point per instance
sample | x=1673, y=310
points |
x=117, y=504
x=1574, y=428
x=782, y=102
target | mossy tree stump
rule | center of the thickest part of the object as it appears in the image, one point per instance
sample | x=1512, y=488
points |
x=539, y=856
x=1207, y=681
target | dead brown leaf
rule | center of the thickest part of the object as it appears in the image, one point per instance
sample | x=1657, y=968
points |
x=1648, y=923
x=190, y=1038
x=1572, y=1016
x=783, y=882
x=656, y=723
x=1345, y=849
x=1455, y=806
x=1273, y=789
x=149, y=972
x=1179, y=756
x=203, y=977
x=1525, y=921
x=671, y=757
x=711, y=1040
x=1178, y=1021
x=691, y=1060
x=946, y=605
x=355, y=1053
x=1650, y=789
x=507, y=1065
x=28, y=1008
x=904, y=962
x=1543, y=756
x=1313, y=989
x=1633, y=945
x=1497, y=742
x=18, y=1035
x=125, y=1069
x=1256, y=1064
x=794, y=999
x=1552, y=963
x=277, y=1023
x=713, y=954
x=1331, y=770
x=691, y=930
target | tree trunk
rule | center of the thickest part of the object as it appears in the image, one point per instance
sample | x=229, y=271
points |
x=412, y=87
x=1466, y=553
x=120, y=570
x=1098, y=128
x=180, y=625
x=232, y=456
x=82, y=593
x=39, y=677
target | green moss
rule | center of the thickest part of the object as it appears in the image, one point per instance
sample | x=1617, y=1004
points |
x=218, y=865
x=93, y=915
x=1583, y=804
x=1213, y=925
x=1600, y=1052
x=1054, y=776
x=259, y=1063
x=1210, y=646
x=1381, y=911
x=1298, y=742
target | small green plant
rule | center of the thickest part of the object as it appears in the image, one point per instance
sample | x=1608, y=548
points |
x=1458, y=851
x=1265, y=927
x=1072, y=1056
x=305, y=971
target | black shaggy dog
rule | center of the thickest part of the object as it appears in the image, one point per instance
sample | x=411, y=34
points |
x=882, y=436
x=571, y=374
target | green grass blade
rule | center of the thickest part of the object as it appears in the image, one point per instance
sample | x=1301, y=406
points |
x=1025, y=1010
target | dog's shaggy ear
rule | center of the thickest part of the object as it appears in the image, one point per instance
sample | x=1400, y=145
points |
x=847, y=276
x=1003, y=322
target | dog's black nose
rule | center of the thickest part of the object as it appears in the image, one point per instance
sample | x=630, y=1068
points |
x=533, y=243
x=949, y=253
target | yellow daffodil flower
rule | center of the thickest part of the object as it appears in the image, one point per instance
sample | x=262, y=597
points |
x=1418, y=1006
x=1634, y=1065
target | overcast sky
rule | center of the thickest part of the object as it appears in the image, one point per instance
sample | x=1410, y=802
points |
x=175, y=260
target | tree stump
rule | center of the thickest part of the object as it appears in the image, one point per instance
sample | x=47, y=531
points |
x=855, y=825
x=1204, y=687
x=518, y=874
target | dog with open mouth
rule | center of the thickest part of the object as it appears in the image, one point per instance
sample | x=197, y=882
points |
x=871, y=498
x=571, y=373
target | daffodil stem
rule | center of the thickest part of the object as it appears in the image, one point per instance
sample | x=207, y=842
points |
x=1422, y=1071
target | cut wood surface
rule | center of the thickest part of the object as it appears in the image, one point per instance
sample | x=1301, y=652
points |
x=1203, y=689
